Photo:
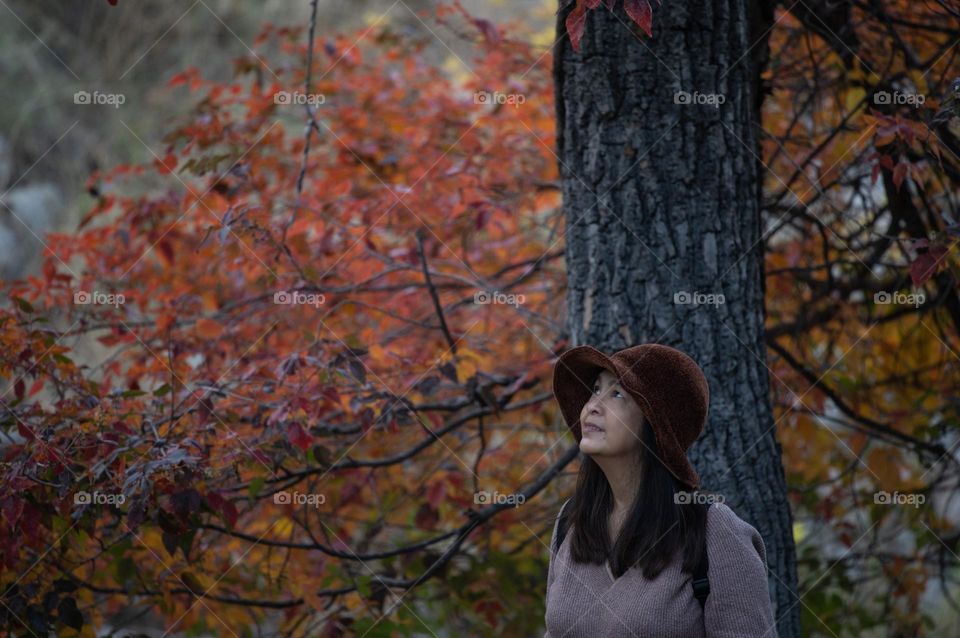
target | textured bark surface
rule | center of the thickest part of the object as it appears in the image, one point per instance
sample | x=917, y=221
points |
x=663, y=198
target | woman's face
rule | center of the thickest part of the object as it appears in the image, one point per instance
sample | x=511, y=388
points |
x=610, y=420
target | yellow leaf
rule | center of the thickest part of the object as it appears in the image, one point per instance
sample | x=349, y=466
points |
x=194, y=583
x=853, y=98
x=283, y=527
x=468, y=362
x=377, y=353
x=466, y=368
x=919, y=81
x=885, y=463
x=799, y=532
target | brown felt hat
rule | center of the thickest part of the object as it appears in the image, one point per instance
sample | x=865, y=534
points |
x=667, y=384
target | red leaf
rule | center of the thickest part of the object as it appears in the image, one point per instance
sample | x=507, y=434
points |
x=927, y=263
x=24, y=431
x=167, y=164
x=898, y=174
x=191, y=75
x=298, y=436
x=349, y=493
x=426, y=517
x=575, y=23
x=491, y=610
x=11, y=508
x=178, y=79
x=223, y=507
x=435, y=493
x=166, y=251
x=641, y=13
x=366, y=419
x=18, y=389
x=30, y=521
x=331, y=394
x=120, y=426
x=592, y=4
x=481, y=218
x=36, y=387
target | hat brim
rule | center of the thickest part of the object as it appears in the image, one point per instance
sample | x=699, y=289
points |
x=573, y=377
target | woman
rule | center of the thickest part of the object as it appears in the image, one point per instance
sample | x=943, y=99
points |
x=635, y=530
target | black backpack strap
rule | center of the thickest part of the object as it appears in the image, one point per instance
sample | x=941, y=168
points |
x=561, y=527
x=701, y=584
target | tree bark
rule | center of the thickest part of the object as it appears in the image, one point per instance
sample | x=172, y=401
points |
x=662, y=198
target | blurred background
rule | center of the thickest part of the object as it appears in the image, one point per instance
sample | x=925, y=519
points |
x=49, y=148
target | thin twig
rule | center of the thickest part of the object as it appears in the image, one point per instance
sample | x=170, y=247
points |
x=308, y=106
x=433, y=293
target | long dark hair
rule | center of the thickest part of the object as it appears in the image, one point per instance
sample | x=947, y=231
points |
x=655, y=529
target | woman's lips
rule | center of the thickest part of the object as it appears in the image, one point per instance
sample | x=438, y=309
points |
x=589, y=427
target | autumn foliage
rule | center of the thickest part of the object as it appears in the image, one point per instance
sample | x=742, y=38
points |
x=378, y=335
x=257, y=343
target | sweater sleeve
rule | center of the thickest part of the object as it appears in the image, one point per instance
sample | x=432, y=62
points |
x=739, y=602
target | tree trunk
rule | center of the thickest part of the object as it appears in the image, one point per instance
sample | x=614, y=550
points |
x=661, y=199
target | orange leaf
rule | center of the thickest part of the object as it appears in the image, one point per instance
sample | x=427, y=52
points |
x=164, y=321
x=208, y=328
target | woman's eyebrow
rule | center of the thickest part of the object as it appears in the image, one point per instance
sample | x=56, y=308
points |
x=615, y=382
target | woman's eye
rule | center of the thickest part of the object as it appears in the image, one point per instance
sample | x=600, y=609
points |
x=596, y=389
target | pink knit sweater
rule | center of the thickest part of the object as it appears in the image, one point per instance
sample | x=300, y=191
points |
x=585, y=601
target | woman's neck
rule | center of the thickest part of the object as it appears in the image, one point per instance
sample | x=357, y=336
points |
x=623, y=476
x=614, y=523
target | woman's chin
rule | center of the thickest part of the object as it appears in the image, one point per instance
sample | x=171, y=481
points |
x=590, y=445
